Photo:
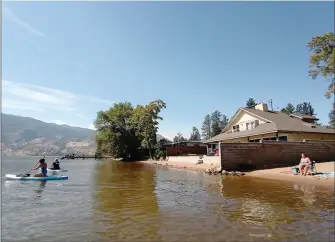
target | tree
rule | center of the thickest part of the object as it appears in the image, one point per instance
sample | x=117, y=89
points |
x=288, y=109
x=322, y=61
x=224, y=121
x=195, y=135
x=219, y=122
x=216, y=123
x=251, y=103
x=305, y=109
x=206, y=129
x=332, y=117
x=115, y=135
x=179, y=138
x=122, y=130
x=145, y=120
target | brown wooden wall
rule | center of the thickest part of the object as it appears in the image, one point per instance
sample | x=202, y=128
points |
x=185, y=150
x=249, y=156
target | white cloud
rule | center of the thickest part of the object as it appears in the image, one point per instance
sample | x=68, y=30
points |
x=10, y=16
x=38, y=101
x=61, y=122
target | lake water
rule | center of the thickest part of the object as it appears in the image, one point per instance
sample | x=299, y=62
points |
x=114, y=201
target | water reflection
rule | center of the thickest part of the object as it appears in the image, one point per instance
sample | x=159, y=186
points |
x=126, y=206
x=41, y=187
x=276, y=208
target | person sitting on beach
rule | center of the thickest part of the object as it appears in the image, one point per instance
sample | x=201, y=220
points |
x=304, y=165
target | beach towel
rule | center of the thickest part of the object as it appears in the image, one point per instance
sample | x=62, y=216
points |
x=326, y=175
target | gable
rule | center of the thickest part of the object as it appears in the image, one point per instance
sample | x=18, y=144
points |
x=241, y=119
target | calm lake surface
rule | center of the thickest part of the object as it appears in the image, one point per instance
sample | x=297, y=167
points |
x=114, y=201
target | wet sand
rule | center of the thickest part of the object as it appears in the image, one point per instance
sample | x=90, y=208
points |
x=283, y=174
x=181, y=165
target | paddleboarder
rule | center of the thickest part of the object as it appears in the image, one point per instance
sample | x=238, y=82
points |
x=55, y=165
x=43, y=166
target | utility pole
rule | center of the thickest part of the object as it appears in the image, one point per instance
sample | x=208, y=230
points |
x=271, y=104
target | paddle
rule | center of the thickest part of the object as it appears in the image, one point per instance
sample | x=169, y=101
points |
x=26, y=174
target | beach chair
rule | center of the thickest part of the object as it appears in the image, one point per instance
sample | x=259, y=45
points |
x=313, y=170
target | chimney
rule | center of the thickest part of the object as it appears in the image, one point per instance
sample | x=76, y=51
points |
x=262, y=106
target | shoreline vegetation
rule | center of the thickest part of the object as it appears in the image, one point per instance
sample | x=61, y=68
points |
x=280, y=174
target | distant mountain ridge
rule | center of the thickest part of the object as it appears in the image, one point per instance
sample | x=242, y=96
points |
x=29, y=136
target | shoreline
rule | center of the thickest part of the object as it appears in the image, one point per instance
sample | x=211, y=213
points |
x=280, y=174
x=284, y=174
x=179, y=165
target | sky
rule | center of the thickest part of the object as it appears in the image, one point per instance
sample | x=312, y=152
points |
x=63, y=62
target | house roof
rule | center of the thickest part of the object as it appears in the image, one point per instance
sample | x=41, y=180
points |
x=275, y=121
x=302, y=116
x=187, y=141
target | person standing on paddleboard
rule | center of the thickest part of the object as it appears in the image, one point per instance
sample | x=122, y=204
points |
x=44, y=168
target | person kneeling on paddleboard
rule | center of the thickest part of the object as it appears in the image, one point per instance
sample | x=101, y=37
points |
x=55, y=165
x=44, y=168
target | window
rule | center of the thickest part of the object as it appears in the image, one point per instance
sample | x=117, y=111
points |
x=282, y=138
x=236, y=128
x=257, y=140
x=256, y=123
x=247, y=126
x=252, y=124
x=270, y=138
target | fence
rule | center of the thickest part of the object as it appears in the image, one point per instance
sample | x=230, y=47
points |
x=186, y=150
x=251, y=156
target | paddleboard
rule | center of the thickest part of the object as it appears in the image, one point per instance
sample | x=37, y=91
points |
x=19, y=177
x=60, y=170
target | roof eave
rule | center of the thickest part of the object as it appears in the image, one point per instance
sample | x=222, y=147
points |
x=243, y=136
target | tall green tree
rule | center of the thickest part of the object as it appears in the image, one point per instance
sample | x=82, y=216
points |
x=288, y=109
x=179, y=138
x=322, y=61
x=122, y=130
x=224, y=121
x=332, y=117
x=305, y=109
x=216, y=123
x=115, y=134
x=206, y=129
x=219, y=122
x=195, y=135
x=251, y=103
x=145, y=120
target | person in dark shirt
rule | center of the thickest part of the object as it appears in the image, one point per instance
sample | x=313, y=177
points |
x=55, y=165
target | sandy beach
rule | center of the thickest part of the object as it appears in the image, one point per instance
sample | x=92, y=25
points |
x=283, y=174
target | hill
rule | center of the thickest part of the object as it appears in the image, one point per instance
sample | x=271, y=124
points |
x=28, y=136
